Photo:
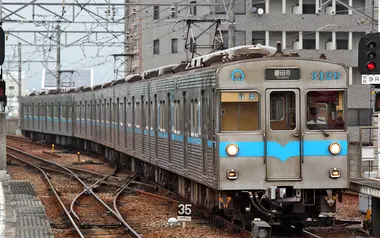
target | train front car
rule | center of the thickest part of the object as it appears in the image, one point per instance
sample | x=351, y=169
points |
x=282, y=141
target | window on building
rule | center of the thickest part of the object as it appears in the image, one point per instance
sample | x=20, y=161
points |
x=156, y=47
x=283, y=110
x=359, y=116
x=342, y=44
x=224, y=45
x=156, y=12
x=240, y=6
x=193, y=9
x=340, y=9
x=175, y=45
x=308, y=9
x=325, y=110
x=258, y=37
x=258, y=4
x=239, y=111
x=308, y=44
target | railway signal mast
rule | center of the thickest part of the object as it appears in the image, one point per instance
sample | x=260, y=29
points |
x=369, y=67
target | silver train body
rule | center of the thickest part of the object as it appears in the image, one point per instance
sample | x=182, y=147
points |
x=232, y=136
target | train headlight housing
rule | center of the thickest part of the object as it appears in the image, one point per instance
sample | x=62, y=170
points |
x=232, y=149
x=232, y=174
x=334, y=173
x=335, y=148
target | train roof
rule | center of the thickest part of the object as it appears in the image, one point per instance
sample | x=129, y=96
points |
x=204, y=62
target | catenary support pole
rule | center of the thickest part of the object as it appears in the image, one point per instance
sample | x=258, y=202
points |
x=18, y=130
x=58, y=57
x=231, y=25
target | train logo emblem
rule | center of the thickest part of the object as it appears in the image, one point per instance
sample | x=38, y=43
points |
x=237, y=75
x=251, y=96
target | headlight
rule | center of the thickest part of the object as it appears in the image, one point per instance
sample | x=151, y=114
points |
x=232, y=149
x=335, y=148
x=334, y=173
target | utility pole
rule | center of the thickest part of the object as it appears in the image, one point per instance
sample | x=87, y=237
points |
x=231, y=24
x=58, y=57
x=18, y=130
x=126, y=38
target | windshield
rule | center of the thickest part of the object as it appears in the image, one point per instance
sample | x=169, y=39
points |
x=325, y=110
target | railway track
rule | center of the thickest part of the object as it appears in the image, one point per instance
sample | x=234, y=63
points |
x=91, y=205
x=85, y=200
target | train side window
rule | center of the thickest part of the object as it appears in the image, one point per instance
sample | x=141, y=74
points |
x=282, y=110
x=239, y=111
x=162, y=116
x=325, y=110
x=128, y=114
x=152, y=116
x=138, y=115
x=195, y=116
x=121, y=113
x=176, y=117
x=146, y=115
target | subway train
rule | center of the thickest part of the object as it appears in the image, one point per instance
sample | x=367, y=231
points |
x=248, y=132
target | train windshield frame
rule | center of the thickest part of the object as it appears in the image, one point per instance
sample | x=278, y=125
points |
x=326, y=110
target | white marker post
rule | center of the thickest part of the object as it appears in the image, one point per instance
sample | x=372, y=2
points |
x=184, y=213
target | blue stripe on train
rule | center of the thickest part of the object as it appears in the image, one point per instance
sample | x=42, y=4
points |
x=164, y=135
x=274, y=149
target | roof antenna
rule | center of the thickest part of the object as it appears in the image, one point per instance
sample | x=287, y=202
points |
x=279, y=52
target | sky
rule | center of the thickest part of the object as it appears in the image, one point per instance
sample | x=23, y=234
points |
x=41, y=46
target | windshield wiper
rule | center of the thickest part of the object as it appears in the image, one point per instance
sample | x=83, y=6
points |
x=323, y=131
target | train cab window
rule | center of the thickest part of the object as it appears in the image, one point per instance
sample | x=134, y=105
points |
x=325, y=110
x=282, y=110
x=239, y=111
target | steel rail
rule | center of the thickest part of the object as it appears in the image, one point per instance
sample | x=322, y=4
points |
x=79, y=180
x=80, y=194
x=309, y=234
x=132, y=231
x=54, y=191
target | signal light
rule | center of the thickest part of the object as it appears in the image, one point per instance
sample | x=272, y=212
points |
x=3, y=96
x=371, y=45
x=369, y=48
x=371, y=66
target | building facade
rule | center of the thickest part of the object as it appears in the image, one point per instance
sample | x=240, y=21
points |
x=308, y=27
x=12, y=89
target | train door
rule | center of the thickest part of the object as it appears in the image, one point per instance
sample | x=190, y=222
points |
x=283, y=137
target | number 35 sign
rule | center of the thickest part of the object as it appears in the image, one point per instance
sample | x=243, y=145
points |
x=184, y=212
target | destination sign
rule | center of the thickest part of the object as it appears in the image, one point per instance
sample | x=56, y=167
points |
x=282, y=74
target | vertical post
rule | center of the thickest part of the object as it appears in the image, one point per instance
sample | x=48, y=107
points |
x=378, y=144
x=3, y=155
x=58, y=57
x=126, y=38
x=18, y=131
x=231, y=26
x=3, y=131
x=378, y=15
